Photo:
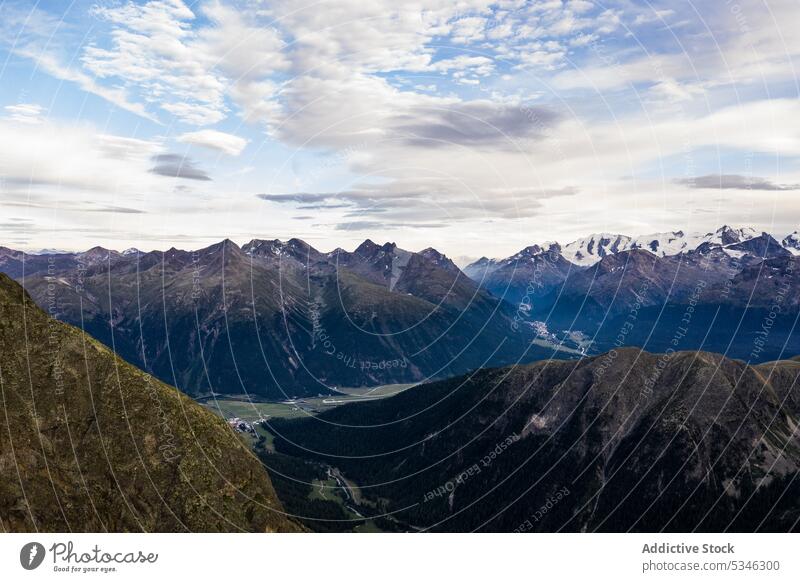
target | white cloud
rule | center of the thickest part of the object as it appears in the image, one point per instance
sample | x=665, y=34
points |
x=188, y=71
x=33, y=34
x=338, y=95
x=30, y=113
x=79, y=158
x=151, y=46
x=580, y=6
x=195, y=71
x=477, y=65
x=217, y=140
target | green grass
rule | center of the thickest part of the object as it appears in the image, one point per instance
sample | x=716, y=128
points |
x=368, y=527
x=325, y=490
x=251, y=410
x=377, y=391
x=557, y=347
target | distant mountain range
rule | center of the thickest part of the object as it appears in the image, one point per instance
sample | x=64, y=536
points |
x=278, y=319
x=590, y=249
x=282, y=319
x=91, y=444
x=626, y=441
x=618, y=290
x=538, y=271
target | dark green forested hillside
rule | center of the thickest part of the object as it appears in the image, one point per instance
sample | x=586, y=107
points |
x=627, y=441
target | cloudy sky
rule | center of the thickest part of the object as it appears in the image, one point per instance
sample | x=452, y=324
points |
x=475, y=127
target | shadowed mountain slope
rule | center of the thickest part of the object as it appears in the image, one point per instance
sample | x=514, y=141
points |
x=623, y=441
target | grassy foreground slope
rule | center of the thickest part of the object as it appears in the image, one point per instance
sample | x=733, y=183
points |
x=90, y=443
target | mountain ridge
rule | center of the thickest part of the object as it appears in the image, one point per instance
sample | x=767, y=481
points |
x=587, y=250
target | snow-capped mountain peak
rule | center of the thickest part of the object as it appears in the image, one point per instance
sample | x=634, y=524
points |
x=792, y=243
x=534, y=251
x=665, y=244
x=44, y=252
x=725, y=235
x=261, y=247
x=588, y=250
x=483, y=267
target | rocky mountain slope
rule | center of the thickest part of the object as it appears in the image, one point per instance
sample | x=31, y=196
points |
x=90, y=443
x=522, y=279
